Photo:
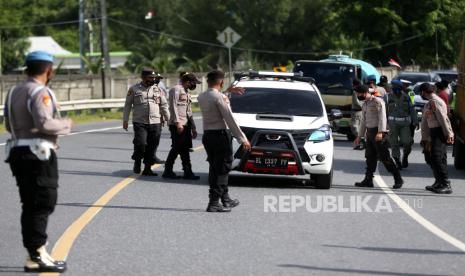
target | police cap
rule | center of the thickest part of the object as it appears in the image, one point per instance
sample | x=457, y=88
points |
x=148, y=72
x=190, y=77
x=39, y=56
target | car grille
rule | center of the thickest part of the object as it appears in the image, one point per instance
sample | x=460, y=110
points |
x=300, y=137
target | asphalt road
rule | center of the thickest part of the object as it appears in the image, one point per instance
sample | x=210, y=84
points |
x=158, y=227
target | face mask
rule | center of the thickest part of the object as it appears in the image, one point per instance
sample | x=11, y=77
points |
x=150, y=82
x=157, y=81
x=192, y=86
x=423, y=97
x=361, y=98
x=397, y=91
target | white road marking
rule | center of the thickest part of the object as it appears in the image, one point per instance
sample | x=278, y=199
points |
x=100, y=129
x=417, y=217
x=86, y=131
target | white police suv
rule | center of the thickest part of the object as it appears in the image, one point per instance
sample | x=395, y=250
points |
x=284, y=117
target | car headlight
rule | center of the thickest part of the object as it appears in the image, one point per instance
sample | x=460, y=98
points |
x=321, y=134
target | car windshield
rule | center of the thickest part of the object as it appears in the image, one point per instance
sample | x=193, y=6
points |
x=277, y=101
x=414, y=78
x=450, y=77
x=331, y=78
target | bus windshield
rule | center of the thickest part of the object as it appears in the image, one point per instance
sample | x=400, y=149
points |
x=330, y=78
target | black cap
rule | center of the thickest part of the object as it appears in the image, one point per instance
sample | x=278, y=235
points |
x=361, y=88
x=190, y=77
x=148, y=72
x=215, y=75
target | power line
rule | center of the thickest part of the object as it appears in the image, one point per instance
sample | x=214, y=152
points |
x=265, y=51
x=46, y=24
x=165, y=34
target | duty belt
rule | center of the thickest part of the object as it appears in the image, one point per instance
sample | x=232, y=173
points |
x=399, y=119
x=39, y=147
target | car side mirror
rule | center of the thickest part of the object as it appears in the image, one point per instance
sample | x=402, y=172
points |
x=335, y=114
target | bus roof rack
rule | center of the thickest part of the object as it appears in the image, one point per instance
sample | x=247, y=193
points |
x=297, y=76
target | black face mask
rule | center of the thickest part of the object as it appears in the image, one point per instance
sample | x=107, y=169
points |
x=424, y=98
x=361, y=98
x=150, y=82
x=157, y=81
x=192, y=86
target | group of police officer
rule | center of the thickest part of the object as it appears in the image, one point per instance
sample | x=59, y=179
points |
x=385, y=117
x=34, y=122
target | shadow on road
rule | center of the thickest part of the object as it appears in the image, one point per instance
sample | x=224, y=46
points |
x=357, y=271
x=86, y=205
x=398, y=250
x=11, y=269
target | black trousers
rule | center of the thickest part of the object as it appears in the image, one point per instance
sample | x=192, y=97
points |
x=146, y=140
x=218, y=146
x=37, y=182
x=180, y=145
x=377, y=151
x=437, y=157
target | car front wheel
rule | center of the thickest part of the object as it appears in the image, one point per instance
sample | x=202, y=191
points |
x=322, y=181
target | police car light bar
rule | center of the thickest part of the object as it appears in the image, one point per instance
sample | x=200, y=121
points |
x=298, y=76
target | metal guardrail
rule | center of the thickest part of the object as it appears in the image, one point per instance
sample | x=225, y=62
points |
x=92, y=104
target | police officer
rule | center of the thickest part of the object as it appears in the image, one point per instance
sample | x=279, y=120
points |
x=401, y=115
x=182, y=126
x=436, y=133
x=356, y=115
x=374, y=125
x=34, y=123
x=383, y=82
x=407, y=90
x=217, y=117
x=378, y=91
x=150, y=108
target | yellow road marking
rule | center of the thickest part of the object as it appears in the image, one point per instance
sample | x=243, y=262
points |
x=65, y=242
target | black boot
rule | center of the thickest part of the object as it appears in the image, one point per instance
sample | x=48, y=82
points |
x=169, y=174
x=432, y=187
x=398, y=181
x=136, y=168
x=228, y=202
x=148, y=171
x=405, y=161
x=189, y=175
x=398, y=163
x=443, y=188
x=366, y=182
x=40, y=261
x=215, y=206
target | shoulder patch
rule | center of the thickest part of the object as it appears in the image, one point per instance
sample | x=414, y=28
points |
x=46, y=99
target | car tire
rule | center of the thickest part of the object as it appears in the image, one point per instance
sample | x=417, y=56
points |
x=459, y=158
x=322, y=181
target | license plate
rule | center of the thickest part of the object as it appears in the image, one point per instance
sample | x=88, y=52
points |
x=270, y=162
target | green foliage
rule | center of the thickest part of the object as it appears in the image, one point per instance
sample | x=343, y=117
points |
x=375, y=30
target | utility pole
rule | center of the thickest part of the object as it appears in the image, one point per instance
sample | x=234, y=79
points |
x=82, y=50
x=437, y=54
x=106, y=69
